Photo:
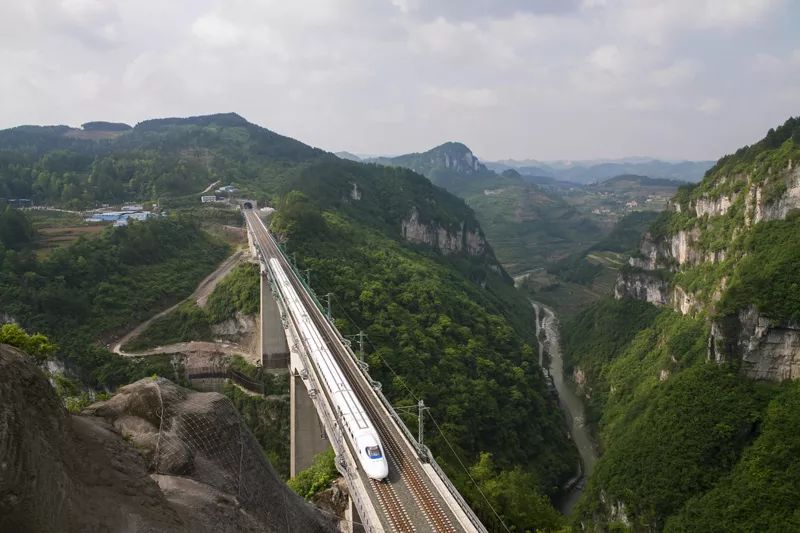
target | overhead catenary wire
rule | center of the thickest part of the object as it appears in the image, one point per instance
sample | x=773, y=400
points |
x=413, y=395
x=417, y=399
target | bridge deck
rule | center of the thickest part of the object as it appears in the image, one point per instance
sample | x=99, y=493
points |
x=409, y=500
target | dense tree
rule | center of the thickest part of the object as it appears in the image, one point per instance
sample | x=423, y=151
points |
x=16, y=230
x=106, y=283
x=37, y=345
x=510, y=498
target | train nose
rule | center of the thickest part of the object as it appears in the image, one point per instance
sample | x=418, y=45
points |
x=378, y=469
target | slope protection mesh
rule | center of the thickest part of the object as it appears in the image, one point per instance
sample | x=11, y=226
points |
x=200, y=435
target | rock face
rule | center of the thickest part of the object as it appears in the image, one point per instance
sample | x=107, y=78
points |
x=642, y=286
x=673, y=252
x=235, y=328
x=779, y=209
x=467, y=241
x=712, y=206
x=156, y=457
x=767, y=350
x=64, y=473
x=333, y=501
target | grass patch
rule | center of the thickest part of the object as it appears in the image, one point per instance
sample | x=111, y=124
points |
x=185, y=323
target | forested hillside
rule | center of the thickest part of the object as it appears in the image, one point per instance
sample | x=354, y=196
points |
x=451, y=165
x=81, y=294
x=691, y=398
x=531, y=226
x=407, y=262
x=527, y=224
x=154, y=160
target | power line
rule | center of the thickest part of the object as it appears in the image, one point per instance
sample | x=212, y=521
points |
x=438, y=428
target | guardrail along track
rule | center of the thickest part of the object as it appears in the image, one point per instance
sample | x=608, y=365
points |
x=402, y=461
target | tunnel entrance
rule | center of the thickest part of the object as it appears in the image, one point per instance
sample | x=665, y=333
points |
x=247, y=205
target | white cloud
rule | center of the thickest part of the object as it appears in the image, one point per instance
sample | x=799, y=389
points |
x=465, y=97
x=646, y=103
x=87, y=85
x=678, y=73
x=794, y=58
x=764, y=62
x=710, y=106
x=216, y=31
x=607, y=58
x=388, y=76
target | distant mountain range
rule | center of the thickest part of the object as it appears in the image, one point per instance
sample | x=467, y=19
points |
x=627, y=180
x=348, y=156
x=451, y=161
x=594, y=171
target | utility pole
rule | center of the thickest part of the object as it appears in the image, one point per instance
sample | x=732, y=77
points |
x=421, y=420
x=308, y=277
x=328, y=309
x=361, y=335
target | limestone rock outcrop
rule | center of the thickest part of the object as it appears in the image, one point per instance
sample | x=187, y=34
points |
x=729, y=206
x=155, y=457
x=767, y=350
x=468, y=241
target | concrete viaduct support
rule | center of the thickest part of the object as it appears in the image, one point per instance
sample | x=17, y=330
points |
x=306, y=432
x=274, y=348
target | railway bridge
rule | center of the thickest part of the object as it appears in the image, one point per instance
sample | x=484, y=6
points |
x=417, y=496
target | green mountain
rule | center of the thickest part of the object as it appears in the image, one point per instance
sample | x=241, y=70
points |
x=725, y=249
x=406, y=261
x=157, y=159
x=689, y=376
x=347, y=155
x=588, y=172
x=450, y=165
x=528, y=224
x=627, y=181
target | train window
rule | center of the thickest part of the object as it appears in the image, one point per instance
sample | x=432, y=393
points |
x=374, y=452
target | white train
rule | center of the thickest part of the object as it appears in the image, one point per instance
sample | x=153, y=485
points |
x=356, y=424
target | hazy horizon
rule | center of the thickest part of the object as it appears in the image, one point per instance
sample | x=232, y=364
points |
x=546, y=80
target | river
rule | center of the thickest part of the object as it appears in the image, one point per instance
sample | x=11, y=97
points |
x=571, y=404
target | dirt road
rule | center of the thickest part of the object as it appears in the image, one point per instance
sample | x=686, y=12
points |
x=200, y=295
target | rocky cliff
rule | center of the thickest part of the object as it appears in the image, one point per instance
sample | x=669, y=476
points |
x=156, y=457
x=767, y=350
x=447, y=241
x=692, y=258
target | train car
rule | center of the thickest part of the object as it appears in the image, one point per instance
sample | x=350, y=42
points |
x=358, y=428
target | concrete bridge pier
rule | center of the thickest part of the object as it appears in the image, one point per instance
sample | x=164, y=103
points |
x=352, y=518
x=306, y=432
x=274, y=348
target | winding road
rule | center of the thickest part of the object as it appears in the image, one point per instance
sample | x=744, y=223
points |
x=200, y=295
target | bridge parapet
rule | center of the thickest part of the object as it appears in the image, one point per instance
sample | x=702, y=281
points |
x=346, y=463
x=423, y=452
x=463, y=515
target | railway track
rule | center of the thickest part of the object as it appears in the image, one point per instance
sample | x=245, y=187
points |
x=398, y=517
x=437, y=518
x=402, y=463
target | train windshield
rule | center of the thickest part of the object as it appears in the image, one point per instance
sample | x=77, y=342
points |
x=374, y=452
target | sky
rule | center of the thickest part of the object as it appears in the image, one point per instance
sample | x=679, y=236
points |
x=541, y=79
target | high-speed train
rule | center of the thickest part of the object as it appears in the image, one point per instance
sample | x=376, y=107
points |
x=356, y=424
